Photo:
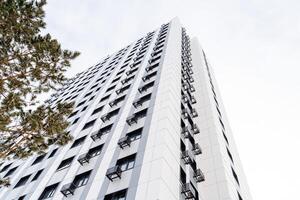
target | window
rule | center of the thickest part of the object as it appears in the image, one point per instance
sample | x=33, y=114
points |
x=36, y=176
x=84, y=108
x=225, y=137
x=240, y=197
x=97, y=110
x=22, y=197
x=65, y=163
x=135, y=135
x=120, y=195
x=53, y=153
x=10, y=172
x=116, y=80
x=126, y=163
x=78, y=142
x=104, y=98
x=235, y=176
x=89, y=124
x=5, y=167
x=87, y=94
x=229, y=154
x=48, y=191
x=22, y=181
x=90, y=99
x=81, y=179
x=75, y=121
x=95, y=151
x=81, y=103
x=73, y=114
x=111, y=88
x=38, y=159
x=109, y=115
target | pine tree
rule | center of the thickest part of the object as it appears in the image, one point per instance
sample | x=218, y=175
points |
x=31, y=64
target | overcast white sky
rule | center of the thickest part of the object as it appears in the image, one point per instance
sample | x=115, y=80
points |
x=254, y=48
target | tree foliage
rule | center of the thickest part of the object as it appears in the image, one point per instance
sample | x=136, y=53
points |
x=31, y=63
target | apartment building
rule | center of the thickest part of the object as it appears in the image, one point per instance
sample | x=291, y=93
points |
x=148, y=124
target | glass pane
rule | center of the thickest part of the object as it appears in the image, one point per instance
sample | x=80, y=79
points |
x=130, y=165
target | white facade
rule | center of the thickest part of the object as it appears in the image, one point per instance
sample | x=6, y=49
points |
x=132, y=109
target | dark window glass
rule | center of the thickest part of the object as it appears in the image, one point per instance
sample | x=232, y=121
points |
x=48, y=191
x=229, y=154
x=38, y=159
x=84, y=108
x=73, y=114
x=22, y=181
x=36, y=176
x=95, y=151
x=104, y=98
x=97, y=110
x=11, y=171
x=120, y=195
x=53, y=153
x=235, y=176
x=78, y=142
x=135, y=135
x=76, y=120
x=81, y=103
x=89, y=124
x=65, y=163
x=126, y=163
x=81, y=179
x=5, y=167
x=22, y=197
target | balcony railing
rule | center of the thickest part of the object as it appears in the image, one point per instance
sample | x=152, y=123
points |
x=84, y=158
x=124, y=142
x=188, y=191
x=68, y=189
x=199, y=176
x=114, y=173
x=197, y=149
x=194, y=113
x=184, y=113
x=186, y=157
x=96, y=136
x=186, y=132
x=195, y=130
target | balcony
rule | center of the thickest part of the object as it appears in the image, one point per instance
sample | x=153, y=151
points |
x=151, y=67
x=154, y=59
x=68, y=189
x=126, y=80
x=131, y=120
x=124, y=142
x=184, y=113
x=199, y=176
x=194, y=113
x=186, y=157
x=193, y=100
x=114, y=173
x=84, y=158
x=185, y=132
x=184, y=98
x=148, y=76
x=146, y=87
x=136, y=116
x=141, y=100
x=96, y=136
x=121, y=90
x=195, y=129
x=106, y=117
x=188, y=191
x=197, y=149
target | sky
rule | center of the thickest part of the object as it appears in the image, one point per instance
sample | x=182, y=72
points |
x=254, y=49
